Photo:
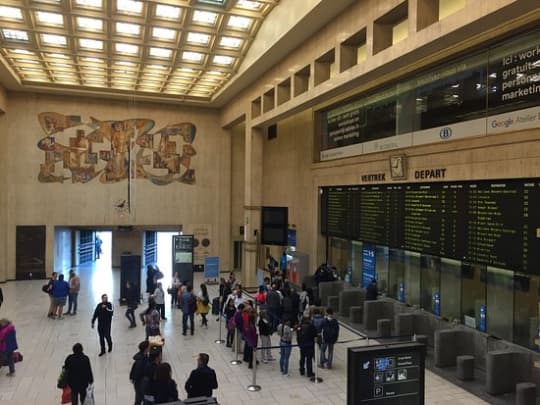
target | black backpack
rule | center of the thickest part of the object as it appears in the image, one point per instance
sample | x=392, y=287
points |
x=330, y=331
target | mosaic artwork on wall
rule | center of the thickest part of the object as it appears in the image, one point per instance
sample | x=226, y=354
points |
x=110, y=150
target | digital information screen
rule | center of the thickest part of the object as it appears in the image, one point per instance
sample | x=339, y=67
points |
x=493, y=222
x=386, y=374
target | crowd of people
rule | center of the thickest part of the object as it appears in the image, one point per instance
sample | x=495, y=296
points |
x=296, y=317
x=278, y=308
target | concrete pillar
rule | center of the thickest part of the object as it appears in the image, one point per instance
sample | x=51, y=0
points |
x=252, y=203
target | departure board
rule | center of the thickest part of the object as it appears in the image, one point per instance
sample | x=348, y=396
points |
x=494, y=222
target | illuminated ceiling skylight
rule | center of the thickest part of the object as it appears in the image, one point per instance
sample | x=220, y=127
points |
x=160, y=52
x=10, y=12
x=192, y=56
x=90, y=3
x=174, y=47
x=129, y=29
x=54, y=40
x=163, y=33
x=250, y=5
x=205, y=17
x=239, y=22
x=15, y=35
x=126, y=48
x=230, y=42
x=91, y=24
x=91, y=43
x=223, y=60
x=198, y=38
x=49, y=18
x=129, y=6
x=168, y=12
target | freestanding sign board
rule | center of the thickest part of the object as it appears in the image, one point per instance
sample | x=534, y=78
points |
x=390, y=374
x=183, y=257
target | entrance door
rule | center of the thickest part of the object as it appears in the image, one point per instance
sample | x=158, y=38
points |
x=30, y=252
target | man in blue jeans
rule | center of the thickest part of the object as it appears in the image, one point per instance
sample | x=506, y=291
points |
x=74, y=288
x=189, y=305
x=329, y=336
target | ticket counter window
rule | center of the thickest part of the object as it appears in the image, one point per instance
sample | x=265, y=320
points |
x=340, y=255
x=451, y=289
x=356, y=261
x=381, y=268
x=430, y=270
x=396, y=271
x=412, y=278
x=526, y=310
x=473, y=284
x=500, y=302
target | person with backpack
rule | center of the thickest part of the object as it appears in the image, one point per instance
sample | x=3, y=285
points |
x=189, y=306
x=136, y=373
x=265, y=331
x=79, y=373
x=317, y=320
x=285, y=333
x=329, y=336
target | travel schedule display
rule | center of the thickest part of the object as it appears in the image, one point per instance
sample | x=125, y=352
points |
x=494, y=222
x=386, y=374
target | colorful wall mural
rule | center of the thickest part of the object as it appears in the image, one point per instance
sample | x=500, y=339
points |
x=112, y=151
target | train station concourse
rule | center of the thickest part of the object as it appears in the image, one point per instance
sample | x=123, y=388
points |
x=385, y=153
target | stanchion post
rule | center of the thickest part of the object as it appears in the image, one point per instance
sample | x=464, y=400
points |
x=236, y=361
x=253, y=387
x=219, y=340
x=315, y=379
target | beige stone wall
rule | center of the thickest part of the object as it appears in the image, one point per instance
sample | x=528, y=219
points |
x=237, y=180
x=92, y=204
x=3, y=198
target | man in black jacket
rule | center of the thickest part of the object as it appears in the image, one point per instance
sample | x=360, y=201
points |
x=138, y=368
x=103, y=313
x=202, y=380
x=305, y=335
x=79, y=373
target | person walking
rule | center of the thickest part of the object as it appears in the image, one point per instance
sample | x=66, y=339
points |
x=150, y=274
x=136, y=373
x=163, y=387
x=99, y=242
x=60, y=292
x=189, y=305
x=176, y=284
x=306, y=335
x=202, y=380
x=159, y=299
x=203, y=304
x=103, y=313
x=74, y=288
x=79, y=374
x=132, y=301
x=8, y=344
x=151, y=320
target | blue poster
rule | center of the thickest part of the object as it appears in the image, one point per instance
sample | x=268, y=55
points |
x=211, y=267
x=402, y=292
x=368, y=265
x=482, y=323
x=437, y=303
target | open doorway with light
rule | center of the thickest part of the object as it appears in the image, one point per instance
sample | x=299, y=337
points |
x=164, y=256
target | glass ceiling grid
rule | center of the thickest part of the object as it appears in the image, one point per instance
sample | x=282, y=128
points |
x=151, y=47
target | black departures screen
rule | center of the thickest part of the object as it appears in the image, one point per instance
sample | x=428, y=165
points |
x=275, y=225
x=494, y=222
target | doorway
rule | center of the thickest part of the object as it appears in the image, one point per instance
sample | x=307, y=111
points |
x=164, y=255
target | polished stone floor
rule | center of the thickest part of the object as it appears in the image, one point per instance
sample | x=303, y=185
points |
x=45, y=343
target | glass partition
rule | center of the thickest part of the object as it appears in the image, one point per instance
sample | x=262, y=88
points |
x=473, y=287
x=451, y=289
x=500, y=302
x=430, y=271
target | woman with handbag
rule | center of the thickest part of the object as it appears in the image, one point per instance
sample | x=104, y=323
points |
x=78, y=374
x=203, y=304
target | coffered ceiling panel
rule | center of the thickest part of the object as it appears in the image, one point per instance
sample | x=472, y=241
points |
x=189, y=48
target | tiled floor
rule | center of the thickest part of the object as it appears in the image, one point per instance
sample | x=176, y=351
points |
x=45, y=343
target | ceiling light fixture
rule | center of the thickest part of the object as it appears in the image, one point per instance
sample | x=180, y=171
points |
x=90, y=3
x=91, y=43
x=163, y=33
x=126, y=48
x=239, y=22
x=55, y=40
x=250, y=5
x=192, y=56
x=230, y=42
x=223, y=60
x=129, y=29
x=160, y=52
x=129, y=6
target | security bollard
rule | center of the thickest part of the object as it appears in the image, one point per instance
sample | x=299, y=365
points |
x=219, y=340
x=237, y=360
x=316, y=378
x=254, y=387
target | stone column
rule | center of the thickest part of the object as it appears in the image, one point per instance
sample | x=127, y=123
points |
x=252, y=203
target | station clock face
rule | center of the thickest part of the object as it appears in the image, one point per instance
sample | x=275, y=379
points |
x=398, y=166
